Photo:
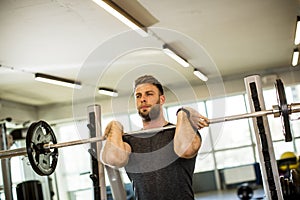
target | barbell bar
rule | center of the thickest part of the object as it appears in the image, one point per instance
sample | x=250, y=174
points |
x=293, y=108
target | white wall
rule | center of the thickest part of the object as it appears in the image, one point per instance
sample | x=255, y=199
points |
x=19, y=113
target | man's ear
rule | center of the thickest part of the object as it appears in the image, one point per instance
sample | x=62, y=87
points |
x=162, y=99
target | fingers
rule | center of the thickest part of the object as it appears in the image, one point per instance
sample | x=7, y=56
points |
x=197, y=120
x=203, y=122
x=113, y=128
x=200, y=121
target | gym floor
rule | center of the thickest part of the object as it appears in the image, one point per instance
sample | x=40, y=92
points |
x=227, y=195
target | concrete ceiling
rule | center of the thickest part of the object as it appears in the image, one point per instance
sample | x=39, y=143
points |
x=77, y=39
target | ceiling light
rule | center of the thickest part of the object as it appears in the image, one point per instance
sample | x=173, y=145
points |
x=108, y=92
x=295, y=57
x=57, y=80
x=174, y=56
x=122, y=15
x=297, y=34
x=200, y=75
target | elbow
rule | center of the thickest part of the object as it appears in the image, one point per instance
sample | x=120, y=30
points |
x=113, y=160
x=114, y=156
x=190, y=151
x=186, y=153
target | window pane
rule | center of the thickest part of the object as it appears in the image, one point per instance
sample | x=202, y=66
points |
x=135, y=122
x=275, y=124
x=281, y=147
x=295, y=90
x=171, y=112
x=295, y=126
x=297, y=142
x=74, y=165
x=234, y=133
x=206, y=145
x=204, y=162
x=235, y=157
x=270, y=98
x=105, y=121
x=122, y=118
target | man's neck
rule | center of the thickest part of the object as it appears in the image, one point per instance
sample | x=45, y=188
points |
x=159, y=122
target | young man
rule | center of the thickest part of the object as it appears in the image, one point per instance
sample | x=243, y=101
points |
x=160, y=165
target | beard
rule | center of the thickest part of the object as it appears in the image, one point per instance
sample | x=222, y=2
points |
x=152, y=114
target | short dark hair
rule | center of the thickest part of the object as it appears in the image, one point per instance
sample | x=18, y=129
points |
x=149, y=79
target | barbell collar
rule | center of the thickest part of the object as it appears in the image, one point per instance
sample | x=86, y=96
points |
x=294, y=107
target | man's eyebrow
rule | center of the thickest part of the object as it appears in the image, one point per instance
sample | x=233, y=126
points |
x=145, y=91
x=150, y=91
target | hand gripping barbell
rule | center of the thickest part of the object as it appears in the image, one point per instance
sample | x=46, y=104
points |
x=42, y=147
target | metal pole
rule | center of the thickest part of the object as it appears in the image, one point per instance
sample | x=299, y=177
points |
x=268, y=162
x=116, y=183
x=5, y=165
x=98, y=177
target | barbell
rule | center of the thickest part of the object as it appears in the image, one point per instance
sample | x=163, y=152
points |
x=42, y=147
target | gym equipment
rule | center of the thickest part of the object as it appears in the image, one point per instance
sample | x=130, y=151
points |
x=281, y=99
x=42, y=147
x=30, y=190
x=268, y=164
x=245, y=192
x=42, y=160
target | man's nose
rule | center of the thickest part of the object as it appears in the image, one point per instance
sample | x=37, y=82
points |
x=143, y=99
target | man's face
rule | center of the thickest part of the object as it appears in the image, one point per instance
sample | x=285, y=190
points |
x=148, y=101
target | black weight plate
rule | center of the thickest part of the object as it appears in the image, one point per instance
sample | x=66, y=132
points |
x=43, y=161
x=285, y=114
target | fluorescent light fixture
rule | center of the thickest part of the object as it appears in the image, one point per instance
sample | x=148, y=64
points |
x=295, y=57
x=174, y=56
x=57, y=80
x=122, y=15
x=297, y=34
x=200, y=75
x=108, y=92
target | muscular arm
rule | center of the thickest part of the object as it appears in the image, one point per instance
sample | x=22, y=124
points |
x=186, y=140
x=115, y=152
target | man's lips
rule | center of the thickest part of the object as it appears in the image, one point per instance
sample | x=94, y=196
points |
x=144, y=107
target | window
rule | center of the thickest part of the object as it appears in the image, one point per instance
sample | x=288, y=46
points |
x=122, y=118
x=281, y=147
x=230, y=134
x=234, y=157
x=74, y=161
x=135, y=121
x=204, y=162
x=297, y=142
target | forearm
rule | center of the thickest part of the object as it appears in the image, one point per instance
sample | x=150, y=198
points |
x=115, y=152
x=186, y=140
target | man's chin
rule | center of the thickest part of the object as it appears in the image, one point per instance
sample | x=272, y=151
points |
x=145, y=117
